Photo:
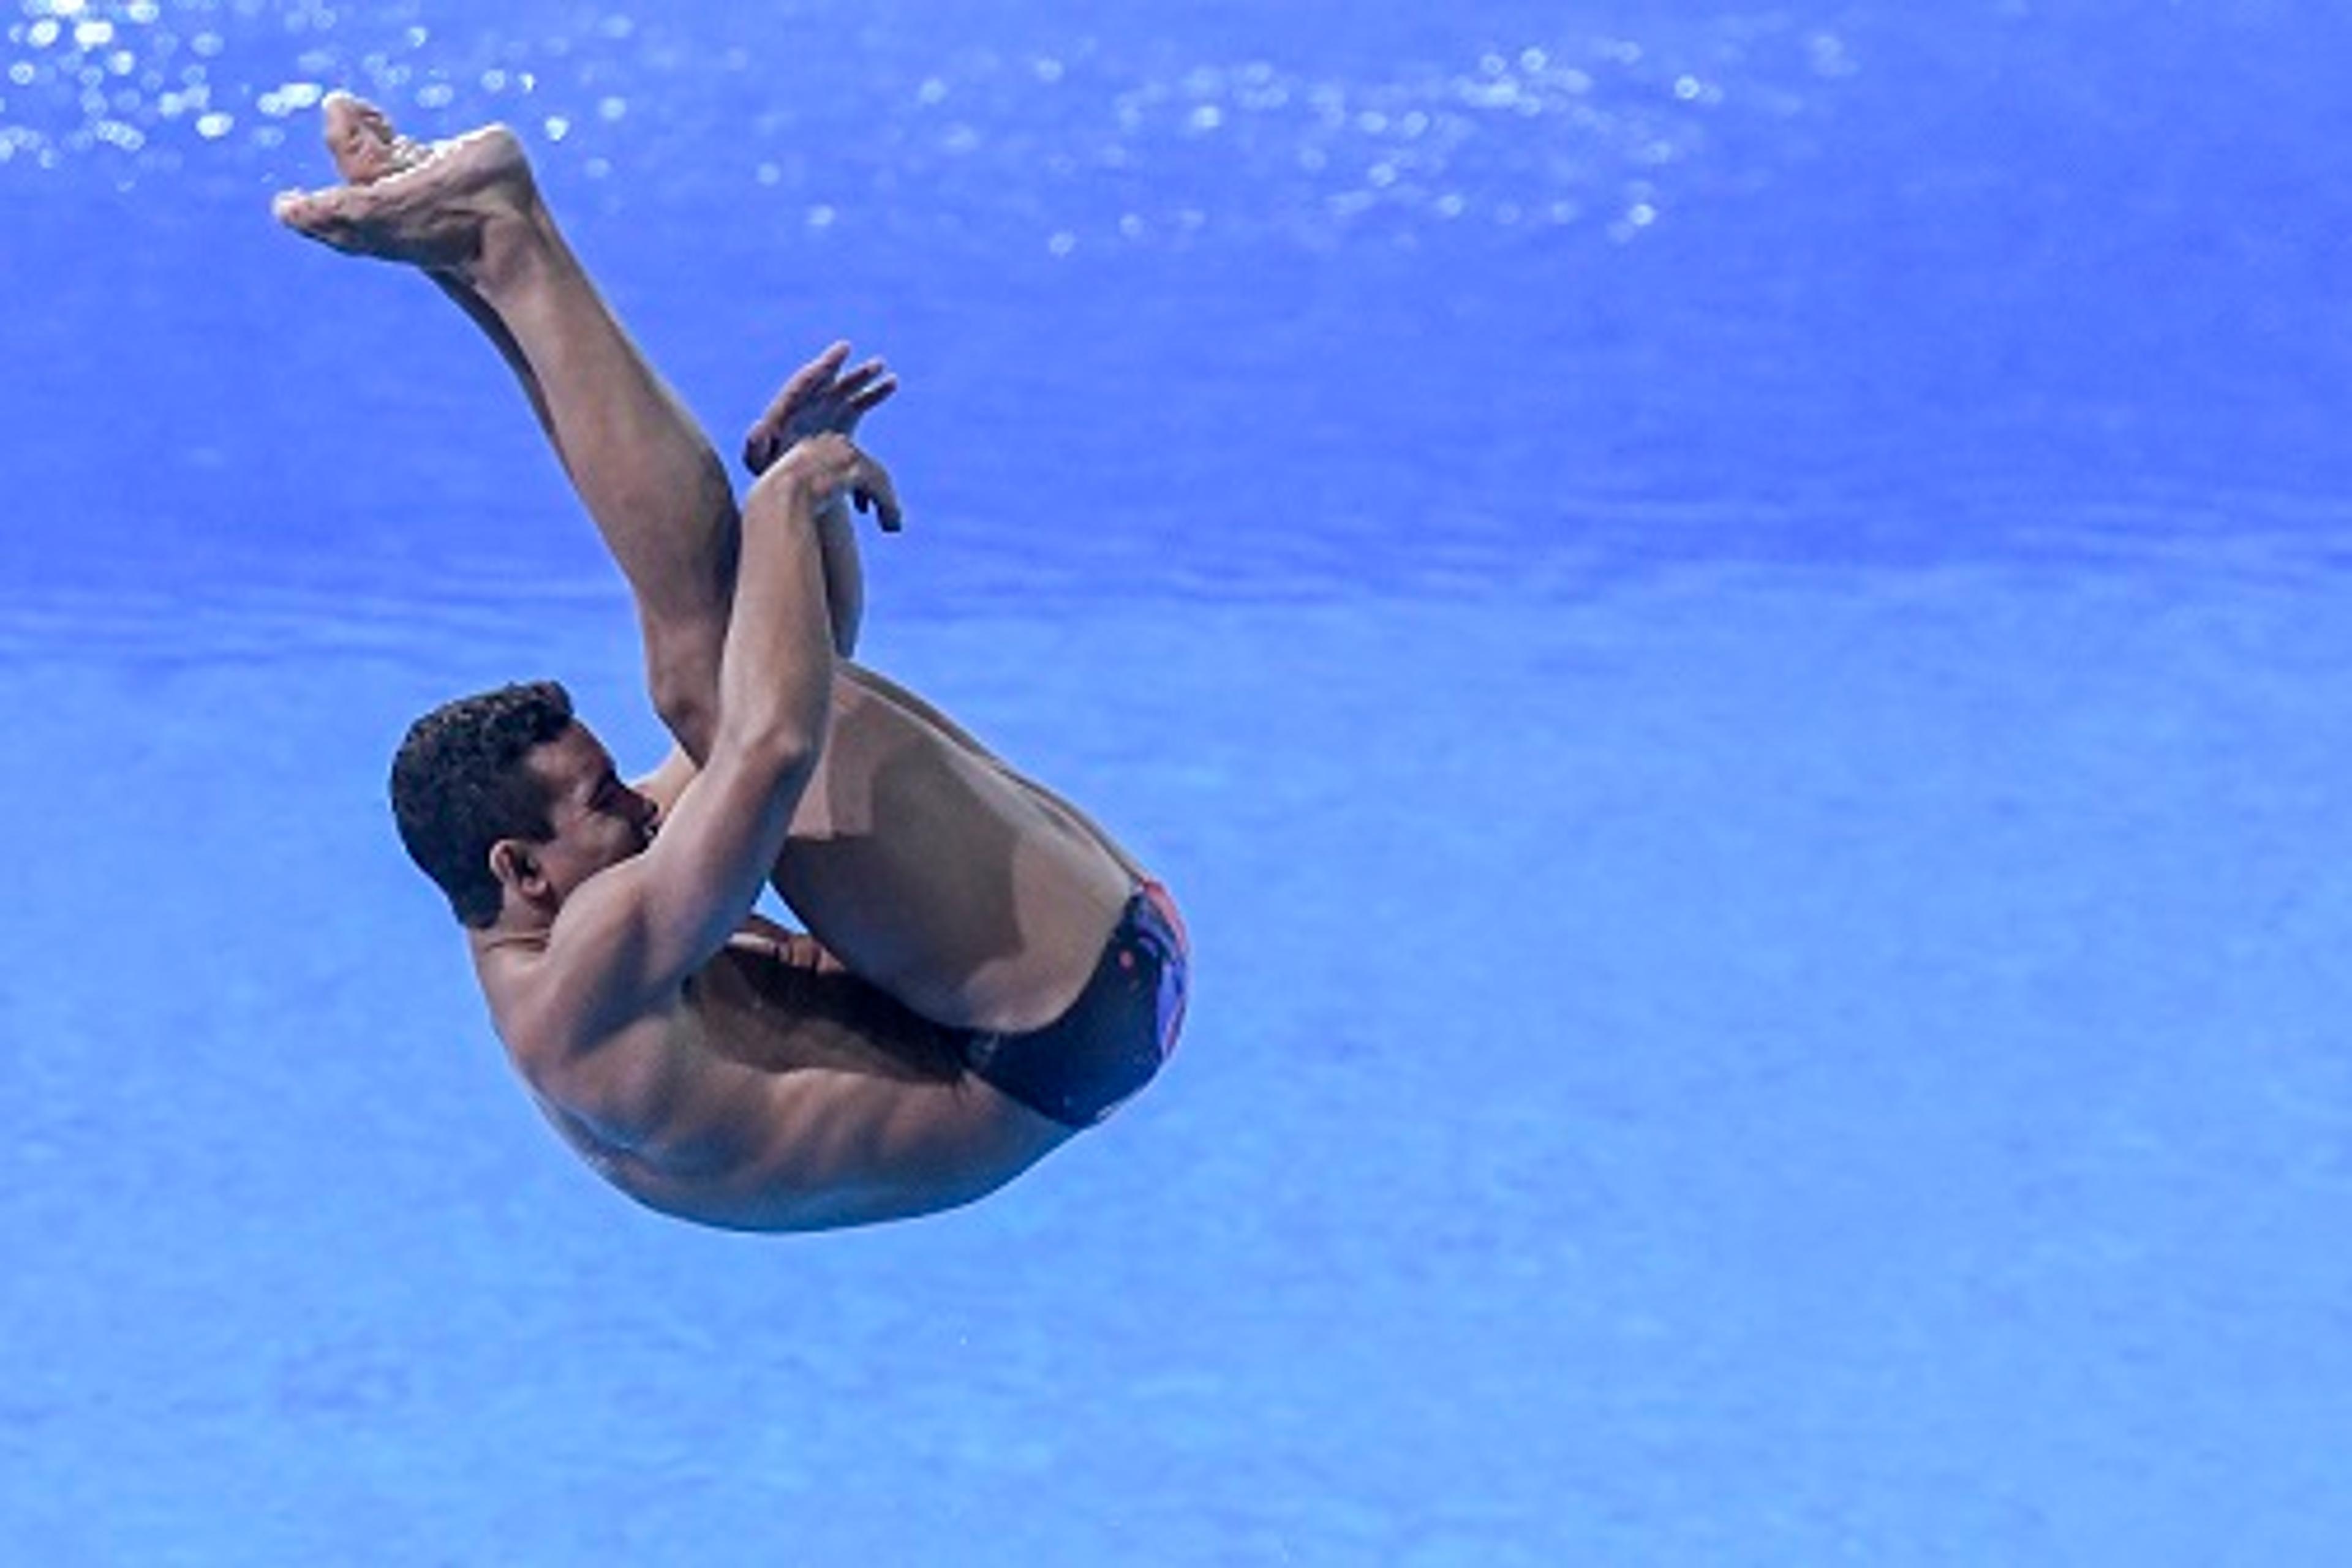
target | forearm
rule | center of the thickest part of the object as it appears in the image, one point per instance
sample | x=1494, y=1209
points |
x=775, y=674
x=844, y=575
x=630, y=937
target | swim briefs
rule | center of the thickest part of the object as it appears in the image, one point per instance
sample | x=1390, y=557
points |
x=1115, y=1037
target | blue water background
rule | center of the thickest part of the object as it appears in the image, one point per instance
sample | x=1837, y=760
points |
x=1732, y=624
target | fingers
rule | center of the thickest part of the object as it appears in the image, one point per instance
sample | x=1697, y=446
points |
x=822, y=380
x=868, y=387
x=805, y=382
x=867, y=481
x=815, y=374
x=760, y=449
x=832, y=467
x=873, y=492
x=818, y=396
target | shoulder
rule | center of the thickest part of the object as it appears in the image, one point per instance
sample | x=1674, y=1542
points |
x=607, y=1077
x=565, y=990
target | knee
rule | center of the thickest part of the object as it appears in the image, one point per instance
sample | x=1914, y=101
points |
x=685, y=692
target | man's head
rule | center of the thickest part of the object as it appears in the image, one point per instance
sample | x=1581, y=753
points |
x=505, y=793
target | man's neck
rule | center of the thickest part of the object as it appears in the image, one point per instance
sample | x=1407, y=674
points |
x=511, y=932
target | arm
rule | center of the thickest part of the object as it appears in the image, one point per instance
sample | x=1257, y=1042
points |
x=629, y=936
x=845, y=577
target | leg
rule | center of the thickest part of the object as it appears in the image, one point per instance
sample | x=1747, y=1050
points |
x=469, y=214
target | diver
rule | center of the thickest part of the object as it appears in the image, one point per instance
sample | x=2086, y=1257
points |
x=983, y=973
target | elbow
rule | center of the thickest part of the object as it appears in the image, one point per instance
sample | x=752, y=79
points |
x=783, y=747
x=682, y=678
x=692, y=716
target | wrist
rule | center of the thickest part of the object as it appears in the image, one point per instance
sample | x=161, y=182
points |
x=788, y=484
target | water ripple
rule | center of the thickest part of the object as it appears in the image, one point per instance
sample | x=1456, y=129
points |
x=487, y=613
x=1079, y=142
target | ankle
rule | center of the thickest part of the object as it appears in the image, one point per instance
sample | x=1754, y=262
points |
x=519, y=251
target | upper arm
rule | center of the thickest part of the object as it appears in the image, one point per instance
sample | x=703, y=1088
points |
x=629, y=936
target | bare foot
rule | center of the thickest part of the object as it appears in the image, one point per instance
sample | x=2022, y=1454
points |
x=434, y=205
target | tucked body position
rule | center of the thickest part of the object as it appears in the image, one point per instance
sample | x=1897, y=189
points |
x=984, y=970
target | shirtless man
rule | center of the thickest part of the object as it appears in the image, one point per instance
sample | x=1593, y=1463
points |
x=984, y=970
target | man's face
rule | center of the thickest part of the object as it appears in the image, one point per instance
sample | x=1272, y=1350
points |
x=595, y=821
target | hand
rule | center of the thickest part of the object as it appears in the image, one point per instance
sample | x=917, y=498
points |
x=818, y=400
x=827, y=467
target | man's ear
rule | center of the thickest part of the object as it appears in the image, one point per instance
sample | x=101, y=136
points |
x=519, y=870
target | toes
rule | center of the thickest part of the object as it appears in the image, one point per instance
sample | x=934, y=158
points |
x=295, y=209
x=317, y=214
x=362, y=142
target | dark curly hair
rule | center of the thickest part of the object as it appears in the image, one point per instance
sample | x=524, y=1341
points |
x=458, y=785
